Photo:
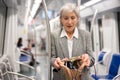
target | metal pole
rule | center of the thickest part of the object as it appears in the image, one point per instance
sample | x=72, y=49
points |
x=91, y=31
x=78, y=3
x=93, y=20
x=48, y=48
x=35, y=49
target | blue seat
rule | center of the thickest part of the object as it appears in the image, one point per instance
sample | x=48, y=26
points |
x=113, y=69
x=100, y=57
x=24, y=58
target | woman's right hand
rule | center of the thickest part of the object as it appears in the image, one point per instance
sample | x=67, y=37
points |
x=57, y=63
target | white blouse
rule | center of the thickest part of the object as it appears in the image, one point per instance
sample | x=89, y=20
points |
x=70, y=40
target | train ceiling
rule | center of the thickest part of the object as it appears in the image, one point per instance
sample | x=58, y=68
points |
x=20, y=5
x=56, y=4
x=51, y=4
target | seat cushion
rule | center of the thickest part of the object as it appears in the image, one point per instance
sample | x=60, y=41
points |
x=24, y=58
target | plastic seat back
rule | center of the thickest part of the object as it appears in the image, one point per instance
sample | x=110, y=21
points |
x=114, y=65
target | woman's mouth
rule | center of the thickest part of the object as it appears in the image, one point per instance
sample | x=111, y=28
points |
x=69, y=26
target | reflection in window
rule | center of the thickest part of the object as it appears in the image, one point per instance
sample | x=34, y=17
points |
x=50, y=14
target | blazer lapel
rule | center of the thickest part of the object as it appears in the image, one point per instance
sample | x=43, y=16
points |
x=77, y=46
x=64, y=46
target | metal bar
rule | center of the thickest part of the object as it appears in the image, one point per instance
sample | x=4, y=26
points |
x=48, y=48
x=93, y=20
x=116, y=77
x=25, y=65
x=78, y=3
x=14, y=73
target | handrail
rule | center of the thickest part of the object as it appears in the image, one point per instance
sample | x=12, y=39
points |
x=25, y=65
x=5, y=66
x=14, y=73
x=116, y=77
x=1, y=74
x=78, y=3
x=93, y=20
x=48, y=48
x=91, y=29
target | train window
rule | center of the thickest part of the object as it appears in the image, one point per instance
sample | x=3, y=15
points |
x=118, y=21
x=50, y=14
x=100, y=33
x=2, y=27
x=88, y=24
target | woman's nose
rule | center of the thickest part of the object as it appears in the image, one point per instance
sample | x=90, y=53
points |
x=69, y=21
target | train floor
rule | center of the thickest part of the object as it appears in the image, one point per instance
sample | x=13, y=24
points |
x=41, y=69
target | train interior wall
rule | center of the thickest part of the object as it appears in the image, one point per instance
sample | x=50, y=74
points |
x=108, y=30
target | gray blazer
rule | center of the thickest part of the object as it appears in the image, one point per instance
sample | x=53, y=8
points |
x=80, y=46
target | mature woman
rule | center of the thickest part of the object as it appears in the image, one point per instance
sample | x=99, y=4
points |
x=69, y=41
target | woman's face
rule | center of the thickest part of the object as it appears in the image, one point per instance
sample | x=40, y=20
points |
x=69, y=20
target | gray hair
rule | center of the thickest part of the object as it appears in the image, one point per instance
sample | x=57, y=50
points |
x=70, y=7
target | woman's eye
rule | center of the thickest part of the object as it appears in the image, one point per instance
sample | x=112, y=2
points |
x=72, y=18
x=66, y=18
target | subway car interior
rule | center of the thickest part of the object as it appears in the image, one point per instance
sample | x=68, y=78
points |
x=32, y=21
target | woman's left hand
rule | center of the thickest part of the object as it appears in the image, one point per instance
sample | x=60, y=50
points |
x=86, y=59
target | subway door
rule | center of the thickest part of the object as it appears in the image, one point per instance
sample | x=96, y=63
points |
x=94, y=35
x=118, y=24
x=110, y=32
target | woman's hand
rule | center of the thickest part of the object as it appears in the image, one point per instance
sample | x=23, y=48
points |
x=86, y=59
x=65, y=59
x=57, y=62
